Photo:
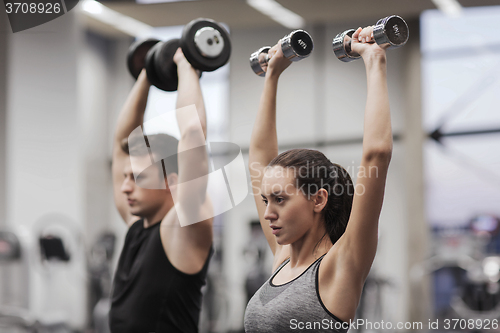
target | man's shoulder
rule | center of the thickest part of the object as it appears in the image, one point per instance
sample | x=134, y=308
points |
x=135, y=222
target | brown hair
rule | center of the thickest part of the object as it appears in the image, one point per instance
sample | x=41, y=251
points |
x=316, y=171
x=160, y=145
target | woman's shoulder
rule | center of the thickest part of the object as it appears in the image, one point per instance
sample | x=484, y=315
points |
x=281, y=255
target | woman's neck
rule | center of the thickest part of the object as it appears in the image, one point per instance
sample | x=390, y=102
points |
x=310, y=247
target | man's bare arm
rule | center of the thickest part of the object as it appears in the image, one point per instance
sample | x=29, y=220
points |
x=187, y=246
x=131, y=116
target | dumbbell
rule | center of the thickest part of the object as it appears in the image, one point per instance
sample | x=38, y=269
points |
x=136, y=56
x=296, y=46
x=391, y=30
x=204, y=42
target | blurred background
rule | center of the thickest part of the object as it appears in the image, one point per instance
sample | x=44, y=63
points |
x=62, y=85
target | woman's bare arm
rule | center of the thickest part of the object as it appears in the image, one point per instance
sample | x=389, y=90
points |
x=358, y=245
x=264, y=140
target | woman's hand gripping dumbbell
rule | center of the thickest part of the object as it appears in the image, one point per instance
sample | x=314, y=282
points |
x=295, y=46
x=389, y=32
x=204, y=42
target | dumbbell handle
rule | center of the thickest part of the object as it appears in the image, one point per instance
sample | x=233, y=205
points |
x=391, y=32
x=259, y=60
x=296, y=46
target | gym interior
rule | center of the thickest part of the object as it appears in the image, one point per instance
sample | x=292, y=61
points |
x=63, y=83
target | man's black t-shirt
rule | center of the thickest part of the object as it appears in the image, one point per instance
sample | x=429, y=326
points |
x=149, y=293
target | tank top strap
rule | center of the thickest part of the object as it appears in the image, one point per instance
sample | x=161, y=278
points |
x=309, y=275
x=315, y=265
x=310, y=271
x=286, y=261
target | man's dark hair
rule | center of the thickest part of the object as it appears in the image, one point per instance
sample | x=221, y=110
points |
x=160, y=145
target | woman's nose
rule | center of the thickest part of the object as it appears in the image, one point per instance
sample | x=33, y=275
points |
x=269, y=214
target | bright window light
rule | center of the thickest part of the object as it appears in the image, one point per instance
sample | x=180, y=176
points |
x=92, y=7
x=278, y=13
x=158, y=1
x=117, y=20
x=450, y=7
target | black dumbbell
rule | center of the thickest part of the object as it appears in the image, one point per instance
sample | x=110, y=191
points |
x=391, y=30
x=296, y=46
x=205, y=45
x=136, y=56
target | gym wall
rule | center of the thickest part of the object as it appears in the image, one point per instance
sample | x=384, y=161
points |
x=3, y=111
x=103, y=85
x=45, y=170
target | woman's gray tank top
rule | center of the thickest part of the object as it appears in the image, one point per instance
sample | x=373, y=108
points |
x=291, y=307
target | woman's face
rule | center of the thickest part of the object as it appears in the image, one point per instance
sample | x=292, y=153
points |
x=289, y=212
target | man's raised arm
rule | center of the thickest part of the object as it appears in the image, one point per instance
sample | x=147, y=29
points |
x=131, y=116
x=193, y=159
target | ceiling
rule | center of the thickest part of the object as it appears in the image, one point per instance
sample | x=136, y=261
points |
x=239, y=15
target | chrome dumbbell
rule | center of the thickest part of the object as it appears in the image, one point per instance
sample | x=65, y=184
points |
x=296, y=46
x=391, y=30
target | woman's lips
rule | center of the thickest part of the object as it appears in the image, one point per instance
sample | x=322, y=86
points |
x=275, y=230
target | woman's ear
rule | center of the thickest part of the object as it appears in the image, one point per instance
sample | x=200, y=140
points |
x=320, y=199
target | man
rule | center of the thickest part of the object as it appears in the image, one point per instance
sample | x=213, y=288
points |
x=163, y=265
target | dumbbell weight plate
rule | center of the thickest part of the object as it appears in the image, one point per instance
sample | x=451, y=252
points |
x=209, y=42
x=391, y=30
x=297, y=45
x=136, y=56
x=205, y=44
x=166, y=69
x=160, y=65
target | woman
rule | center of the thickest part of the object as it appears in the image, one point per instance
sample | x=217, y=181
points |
x=322, y=232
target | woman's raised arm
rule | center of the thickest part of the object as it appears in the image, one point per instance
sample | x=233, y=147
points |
x=264, y=140
x=359, y=242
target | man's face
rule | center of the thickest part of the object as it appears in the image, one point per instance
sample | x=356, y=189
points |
x=147, y=192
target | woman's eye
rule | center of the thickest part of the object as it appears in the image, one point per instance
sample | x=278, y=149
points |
x=265, y=201
x=279, y=200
